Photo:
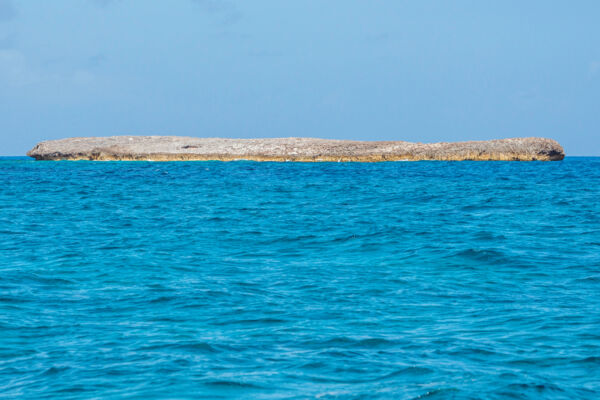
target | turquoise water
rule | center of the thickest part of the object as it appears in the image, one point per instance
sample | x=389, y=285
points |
x=286, y=280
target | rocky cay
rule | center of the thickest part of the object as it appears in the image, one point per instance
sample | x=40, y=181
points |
x=175, y=148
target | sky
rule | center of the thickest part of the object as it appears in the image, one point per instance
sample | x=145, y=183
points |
x=422, y=71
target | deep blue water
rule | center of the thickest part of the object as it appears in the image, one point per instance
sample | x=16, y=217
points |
x=211, y=280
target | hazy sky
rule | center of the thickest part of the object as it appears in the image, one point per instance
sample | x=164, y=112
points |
x=369, y=69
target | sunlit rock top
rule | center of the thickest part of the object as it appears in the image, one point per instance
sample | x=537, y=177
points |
x=175, y=148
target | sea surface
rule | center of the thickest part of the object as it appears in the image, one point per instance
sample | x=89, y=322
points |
x=212, y=280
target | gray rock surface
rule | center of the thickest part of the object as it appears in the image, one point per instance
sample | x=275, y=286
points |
x=175, y=148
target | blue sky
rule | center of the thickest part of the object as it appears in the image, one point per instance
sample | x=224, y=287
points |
x=348, y=69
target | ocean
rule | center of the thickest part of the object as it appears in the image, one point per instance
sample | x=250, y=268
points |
x=399, y=280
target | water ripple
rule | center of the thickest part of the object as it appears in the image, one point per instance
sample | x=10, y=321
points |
x=426, y=280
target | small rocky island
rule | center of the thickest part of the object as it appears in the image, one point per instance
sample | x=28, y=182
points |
x=174, y=148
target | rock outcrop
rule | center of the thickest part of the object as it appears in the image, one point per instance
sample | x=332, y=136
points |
x=174, y=148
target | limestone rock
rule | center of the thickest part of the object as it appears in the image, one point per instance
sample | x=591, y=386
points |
x=175, y=148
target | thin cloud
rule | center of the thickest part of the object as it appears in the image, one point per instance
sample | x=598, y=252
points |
x=224, y=11
x=16, y=71
x=8, y=42
x=103, y=3
x=594, y=68
x=7, y=10
x=96, y=61
x=227, y=11
x=379, y=37
x=265, y=54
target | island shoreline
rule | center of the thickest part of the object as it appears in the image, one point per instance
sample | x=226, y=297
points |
x=173, y=148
